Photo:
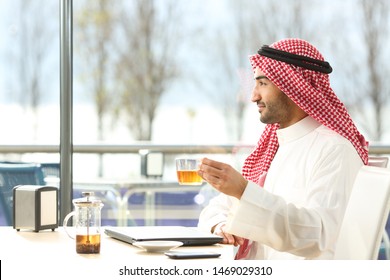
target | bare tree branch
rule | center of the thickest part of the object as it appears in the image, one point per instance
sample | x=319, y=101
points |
x=94, y=31
x=28, y=58
x=147, y=62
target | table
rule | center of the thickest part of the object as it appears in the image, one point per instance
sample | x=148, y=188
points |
x=48, y=255
x=27, y=253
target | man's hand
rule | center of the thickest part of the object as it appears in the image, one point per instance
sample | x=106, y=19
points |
x=227, y=237
x=223, y=177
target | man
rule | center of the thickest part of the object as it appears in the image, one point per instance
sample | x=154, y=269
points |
x=290, y=200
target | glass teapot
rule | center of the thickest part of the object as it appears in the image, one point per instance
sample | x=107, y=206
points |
x=87, y=222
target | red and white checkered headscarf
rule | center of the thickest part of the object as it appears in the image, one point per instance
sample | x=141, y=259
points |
x=311, y=91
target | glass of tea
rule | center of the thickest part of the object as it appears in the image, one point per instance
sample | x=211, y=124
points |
x=187, y=171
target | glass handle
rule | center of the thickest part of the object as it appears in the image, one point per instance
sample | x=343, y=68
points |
x=65, y=224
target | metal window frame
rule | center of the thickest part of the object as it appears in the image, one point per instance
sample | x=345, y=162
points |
x=66, y=106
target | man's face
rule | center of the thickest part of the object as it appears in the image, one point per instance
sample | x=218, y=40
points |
x=274, y=106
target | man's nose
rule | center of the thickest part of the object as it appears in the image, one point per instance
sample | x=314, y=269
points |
x=255, y=96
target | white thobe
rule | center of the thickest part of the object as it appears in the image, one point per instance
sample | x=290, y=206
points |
x=298, y=212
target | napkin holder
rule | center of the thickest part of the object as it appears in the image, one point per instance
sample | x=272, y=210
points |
x=35, y=207
x=152, y=163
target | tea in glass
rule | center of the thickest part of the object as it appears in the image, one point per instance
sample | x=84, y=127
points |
x=88, y=244
x=187, y=171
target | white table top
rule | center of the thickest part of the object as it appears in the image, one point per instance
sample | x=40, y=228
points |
x=52, y=255
x=28, y=253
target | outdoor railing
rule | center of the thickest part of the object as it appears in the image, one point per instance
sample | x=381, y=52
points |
x=377, y=149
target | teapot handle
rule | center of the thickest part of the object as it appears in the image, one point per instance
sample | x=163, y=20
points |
x=65, y=223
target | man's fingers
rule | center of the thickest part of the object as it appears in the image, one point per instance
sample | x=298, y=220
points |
x=229, y=238
x=238, y=241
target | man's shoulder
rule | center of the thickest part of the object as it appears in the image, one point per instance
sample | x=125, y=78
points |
x=332, y=146
x=330, y=137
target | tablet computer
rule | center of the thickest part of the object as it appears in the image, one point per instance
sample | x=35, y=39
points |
x=190, y=236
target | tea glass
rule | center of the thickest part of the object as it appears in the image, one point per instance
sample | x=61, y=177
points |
x=187, y=171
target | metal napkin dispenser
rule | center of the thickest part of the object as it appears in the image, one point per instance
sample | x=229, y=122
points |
x=35, y=207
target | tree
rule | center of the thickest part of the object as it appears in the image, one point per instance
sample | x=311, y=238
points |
x=29, y=56
x=363, y=64
x=94, y=28
x=146, y=61
x=375, y=72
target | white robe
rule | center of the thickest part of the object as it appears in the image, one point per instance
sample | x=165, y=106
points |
x=297, y=215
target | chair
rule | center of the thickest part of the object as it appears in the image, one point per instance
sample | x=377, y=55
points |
x=50, y=169
x=14, y=174
x=381, y=161
x=365, y=216
x=378, y=161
